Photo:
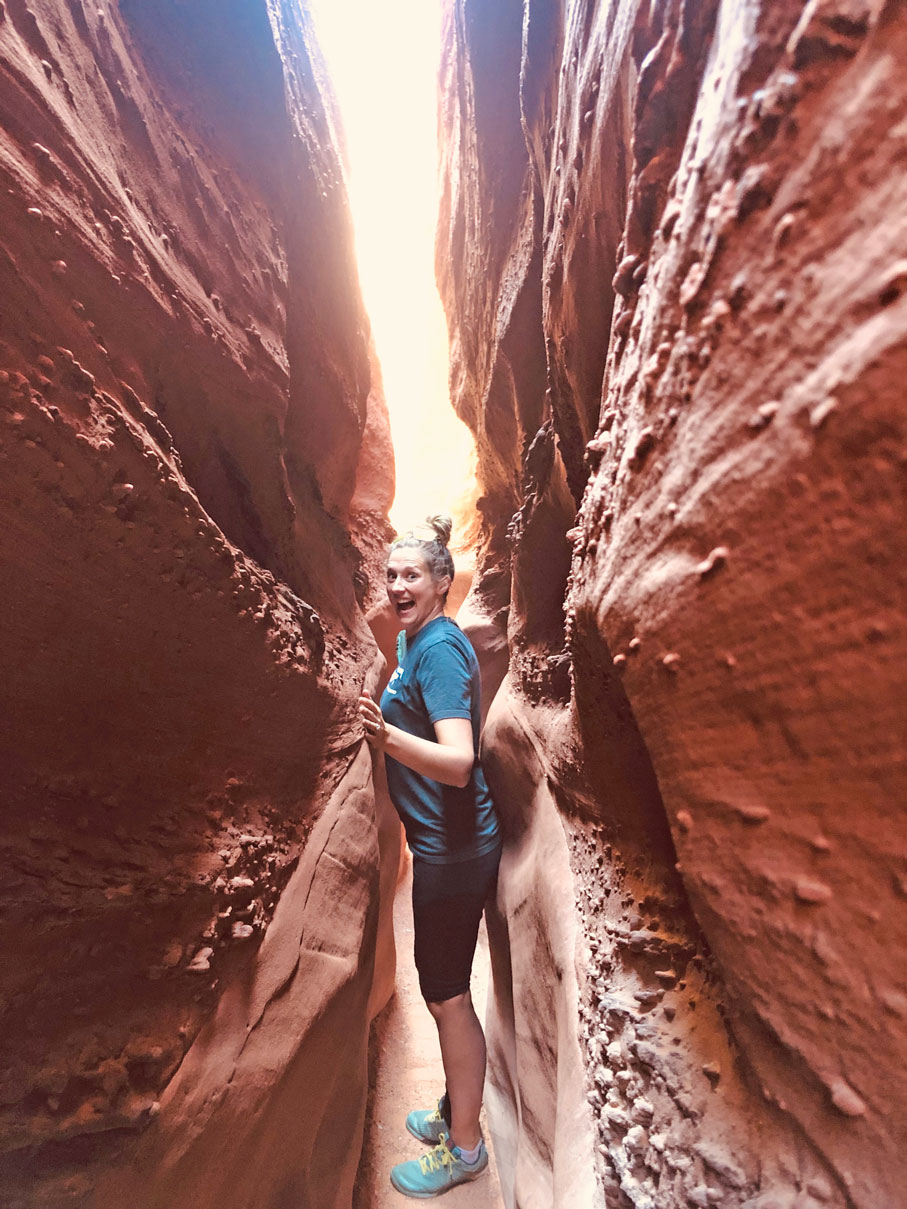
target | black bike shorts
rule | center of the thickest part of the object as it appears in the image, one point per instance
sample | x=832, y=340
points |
x=448, y=901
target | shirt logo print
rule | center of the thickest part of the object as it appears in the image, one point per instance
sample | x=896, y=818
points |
x=393, y=680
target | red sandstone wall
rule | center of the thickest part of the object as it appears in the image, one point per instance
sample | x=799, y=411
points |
x=671, y=251
x=189, y=432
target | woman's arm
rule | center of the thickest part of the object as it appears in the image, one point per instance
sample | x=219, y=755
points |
x=449, y=761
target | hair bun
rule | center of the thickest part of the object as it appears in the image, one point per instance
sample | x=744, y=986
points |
x=441, y=524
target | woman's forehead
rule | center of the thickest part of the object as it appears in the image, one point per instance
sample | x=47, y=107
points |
x=403, y=559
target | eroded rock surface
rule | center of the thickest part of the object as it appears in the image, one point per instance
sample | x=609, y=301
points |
x=192, y=439
x=671, y=252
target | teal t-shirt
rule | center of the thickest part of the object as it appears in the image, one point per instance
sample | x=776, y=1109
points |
x=438, y=677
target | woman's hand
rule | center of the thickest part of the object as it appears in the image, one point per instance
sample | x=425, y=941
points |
x=373, y=721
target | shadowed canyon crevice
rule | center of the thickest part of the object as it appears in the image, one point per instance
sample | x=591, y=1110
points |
x=671, y=251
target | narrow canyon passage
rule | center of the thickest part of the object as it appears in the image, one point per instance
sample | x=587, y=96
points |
x=670, y=252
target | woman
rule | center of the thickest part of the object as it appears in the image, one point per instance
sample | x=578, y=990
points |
x=427, y=725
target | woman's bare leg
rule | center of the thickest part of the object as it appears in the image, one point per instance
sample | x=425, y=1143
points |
x=463, y=1055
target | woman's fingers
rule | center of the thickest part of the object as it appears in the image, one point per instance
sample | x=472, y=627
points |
x=372, y=718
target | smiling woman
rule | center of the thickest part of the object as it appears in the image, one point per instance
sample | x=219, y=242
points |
x=427, y=726
x=383, y=60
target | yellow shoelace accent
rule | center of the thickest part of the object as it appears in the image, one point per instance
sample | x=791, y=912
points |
x=437, y=1158
x=434, y=1116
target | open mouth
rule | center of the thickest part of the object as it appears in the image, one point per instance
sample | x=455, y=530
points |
x=405, y=607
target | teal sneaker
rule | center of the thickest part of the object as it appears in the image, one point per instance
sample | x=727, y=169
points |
x=427, y=1124
x=437, y=1171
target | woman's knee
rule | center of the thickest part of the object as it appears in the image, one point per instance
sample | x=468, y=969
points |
x=443, y=1008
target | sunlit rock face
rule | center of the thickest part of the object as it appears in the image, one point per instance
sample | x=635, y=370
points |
x=195, y=469
x=671, y=251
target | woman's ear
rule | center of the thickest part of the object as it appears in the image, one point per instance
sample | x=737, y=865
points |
x=445, y=583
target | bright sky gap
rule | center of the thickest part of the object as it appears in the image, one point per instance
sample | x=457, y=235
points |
x=383, y=61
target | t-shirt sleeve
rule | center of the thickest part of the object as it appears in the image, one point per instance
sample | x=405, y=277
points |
x=445, y=682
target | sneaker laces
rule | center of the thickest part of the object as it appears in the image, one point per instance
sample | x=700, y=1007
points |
x=437, y=1158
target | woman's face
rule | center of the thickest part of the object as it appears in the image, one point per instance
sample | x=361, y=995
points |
x=416, y=597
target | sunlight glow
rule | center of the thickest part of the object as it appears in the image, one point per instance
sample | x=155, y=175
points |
x=383, y=62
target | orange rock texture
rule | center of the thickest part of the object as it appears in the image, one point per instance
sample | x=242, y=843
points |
x=671, y=251
x=196, y=468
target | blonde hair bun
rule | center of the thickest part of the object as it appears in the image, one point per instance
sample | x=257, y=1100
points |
x=436, y=528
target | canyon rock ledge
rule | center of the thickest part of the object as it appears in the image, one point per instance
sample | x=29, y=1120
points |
x=195, y=476
x=671, y=250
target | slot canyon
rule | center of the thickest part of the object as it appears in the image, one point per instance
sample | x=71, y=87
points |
x=671, y=251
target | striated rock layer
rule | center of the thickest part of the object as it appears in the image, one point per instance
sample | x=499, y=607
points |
x=190, y=433
x=671, y=251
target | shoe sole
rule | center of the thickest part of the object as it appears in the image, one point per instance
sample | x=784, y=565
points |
x=430, y=1196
